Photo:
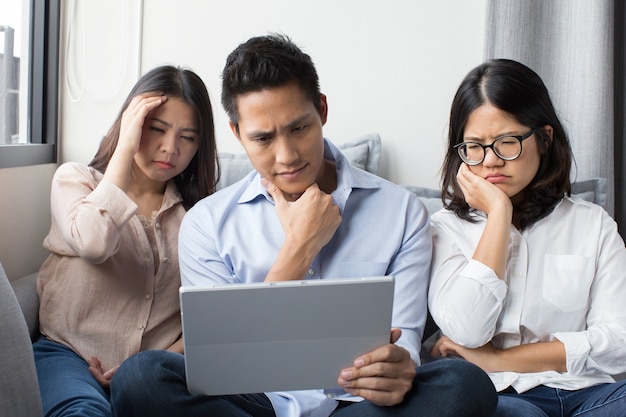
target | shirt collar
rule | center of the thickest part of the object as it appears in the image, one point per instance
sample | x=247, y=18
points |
x=171, y=196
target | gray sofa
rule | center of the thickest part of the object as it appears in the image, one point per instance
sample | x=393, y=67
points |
x=19, y=394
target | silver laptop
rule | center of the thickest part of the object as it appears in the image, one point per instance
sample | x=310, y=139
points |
x=286, y=336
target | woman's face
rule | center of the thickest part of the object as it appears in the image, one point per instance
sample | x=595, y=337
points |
x=169, y=140
x=487, y=123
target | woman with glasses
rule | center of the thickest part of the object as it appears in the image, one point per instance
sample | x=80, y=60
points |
x=527, y=282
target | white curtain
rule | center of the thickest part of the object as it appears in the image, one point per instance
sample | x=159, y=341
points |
x=576, y=46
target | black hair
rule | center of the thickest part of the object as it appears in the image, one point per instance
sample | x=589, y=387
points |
x=516, y=89
x=265, y=62
x=200, y=177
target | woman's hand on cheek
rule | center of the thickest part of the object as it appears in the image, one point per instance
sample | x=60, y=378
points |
x=479, y=193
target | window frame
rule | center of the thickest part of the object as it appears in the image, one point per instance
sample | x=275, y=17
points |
x=43, y=89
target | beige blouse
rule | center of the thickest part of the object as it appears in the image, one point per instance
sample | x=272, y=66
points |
x=105, y=290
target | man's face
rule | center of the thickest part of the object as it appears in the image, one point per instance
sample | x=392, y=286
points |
x=281, y=131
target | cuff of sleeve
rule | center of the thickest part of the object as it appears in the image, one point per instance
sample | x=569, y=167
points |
x=577, y=350
x=409, y=341
x=114, y=201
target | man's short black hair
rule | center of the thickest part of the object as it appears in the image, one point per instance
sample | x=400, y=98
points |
x=265, y=62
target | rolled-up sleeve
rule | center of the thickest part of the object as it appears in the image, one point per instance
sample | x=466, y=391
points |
x=465, y=297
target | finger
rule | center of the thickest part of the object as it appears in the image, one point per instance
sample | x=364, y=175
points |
x=380, y=398
x=381, y=391
x=386, y=353
x=97, y=374
x=95, y=363
x=274, y=191
x=435, y=351
x=109, y=374
x=395, y=335
x=140, y=107
x=384, y=361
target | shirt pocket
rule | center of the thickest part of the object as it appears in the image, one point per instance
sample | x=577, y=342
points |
x=362, y=269
x=567, y=281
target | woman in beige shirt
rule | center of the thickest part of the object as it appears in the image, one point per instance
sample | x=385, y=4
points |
x=109, y=287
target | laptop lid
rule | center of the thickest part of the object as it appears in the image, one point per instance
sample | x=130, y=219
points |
x=283, y=336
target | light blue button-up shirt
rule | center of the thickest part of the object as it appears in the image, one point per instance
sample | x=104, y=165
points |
x=234, y=236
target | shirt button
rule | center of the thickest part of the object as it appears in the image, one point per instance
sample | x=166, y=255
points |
x=166, y=259
x=148, y=297
x=141, y=327
x=311, y=272
x=157, y=225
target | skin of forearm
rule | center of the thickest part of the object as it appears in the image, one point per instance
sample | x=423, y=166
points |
x=291, y=263
x=118, y=169
x=177, y=346
x=532, y=357
x=494, y=243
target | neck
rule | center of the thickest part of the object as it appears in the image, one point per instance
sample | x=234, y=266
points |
x=140, y=184
x=327, y=178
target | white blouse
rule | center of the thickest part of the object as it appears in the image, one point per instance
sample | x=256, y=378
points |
x=565, y=279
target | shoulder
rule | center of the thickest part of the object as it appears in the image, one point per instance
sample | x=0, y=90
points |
x=385, y=191
x=574, y=212
x=223, y=201
x=75, y=173
x=447, y=222
x=71, y=169
x=575, y=208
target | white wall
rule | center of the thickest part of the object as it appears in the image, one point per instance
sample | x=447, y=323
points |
x=387, y=67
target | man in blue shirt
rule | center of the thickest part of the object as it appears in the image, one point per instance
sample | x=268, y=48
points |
x=306, y=213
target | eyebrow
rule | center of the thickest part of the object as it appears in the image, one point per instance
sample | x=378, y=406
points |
x=475, y=139
x=185, y=129
x=262, y=133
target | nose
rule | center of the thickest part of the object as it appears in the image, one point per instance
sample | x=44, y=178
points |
x=286, y=151
x=491, y=159
x=169, y=144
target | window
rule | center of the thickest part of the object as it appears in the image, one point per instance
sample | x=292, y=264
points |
x=29, y=38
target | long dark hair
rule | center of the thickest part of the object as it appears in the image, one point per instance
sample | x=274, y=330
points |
x=201, y=175
x=516, y=89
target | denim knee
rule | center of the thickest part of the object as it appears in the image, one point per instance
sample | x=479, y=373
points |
x=142, y=375
x=466, y=385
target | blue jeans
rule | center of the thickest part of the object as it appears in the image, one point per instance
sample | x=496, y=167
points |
x=603, y=400
x=66, y=386
x=152, y=383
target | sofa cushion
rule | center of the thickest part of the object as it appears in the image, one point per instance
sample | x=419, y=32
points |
x=19, y=389
x=593, y=190
x=362, y=152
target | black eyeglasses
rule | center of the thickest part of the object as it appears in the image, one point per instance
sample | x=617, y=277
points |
x=507, y=147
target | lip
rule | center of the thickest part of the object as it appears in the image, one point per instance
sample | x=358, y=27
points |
x=496, y=178
x=290, y=175
x=164, y=164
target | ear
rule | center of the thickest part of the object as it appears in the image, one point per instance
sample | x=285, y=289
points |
x=549, y=131
x=323, y=109
x=235, y=129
